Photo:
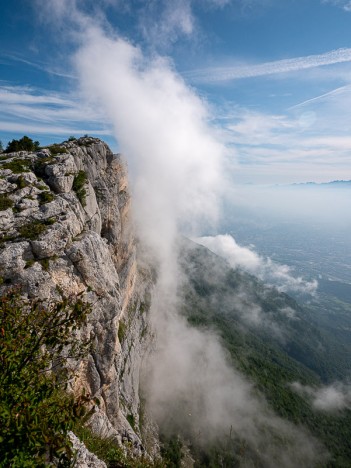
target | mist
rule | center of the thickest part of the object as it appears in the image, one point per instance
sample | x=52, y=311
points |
x=309, y=204
x=272, y=273
x=330, y=398
x=176, y=165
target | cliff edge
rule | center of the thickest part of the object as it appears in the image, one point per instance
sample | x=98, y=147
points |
x=65, y=229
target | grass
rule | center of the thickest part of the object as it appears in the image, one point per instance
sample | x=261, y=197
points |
x=111, y=453
x=17, y=166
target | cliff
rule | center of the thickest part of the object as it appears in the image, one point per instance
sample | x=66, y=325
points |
x=65, y=229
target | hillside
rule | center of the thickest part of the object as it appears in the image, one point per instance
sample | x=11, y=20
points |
x=271, y=339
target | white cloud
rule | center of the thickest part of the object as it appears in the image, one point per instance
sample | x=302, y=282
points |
x=174, y=156
x=280, y=276
x=344, y=4
x=217, y=74
x=333, y=397
x=310, y=141
x=162, y=22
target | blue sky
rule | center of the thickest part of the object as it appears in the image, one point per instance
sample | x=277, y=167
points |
x=275, y=75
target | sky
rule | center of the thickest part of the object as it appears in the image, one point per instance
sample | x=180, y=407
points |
x=273, y=75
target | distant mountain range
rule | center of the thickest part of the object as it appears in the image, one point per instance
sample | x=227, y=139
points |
x=332, y=184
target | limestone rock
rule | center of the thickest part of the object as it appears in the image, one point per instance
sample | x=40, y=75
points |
x=84, y=458
x=54, y=243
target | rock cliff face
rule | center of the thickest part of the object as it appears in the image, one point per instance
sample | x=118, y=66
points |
x=65, y=229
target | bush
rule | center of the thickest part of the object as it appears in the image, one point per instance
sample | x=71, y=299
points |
x=24, y=144
x=78, y=186
x=17, y=165
x=36, y=413
x=45, y=197
x=32, y=230
x=5, y=202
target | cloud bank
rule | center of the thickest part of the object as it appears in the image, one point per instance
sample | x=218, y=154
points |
x=268, y=271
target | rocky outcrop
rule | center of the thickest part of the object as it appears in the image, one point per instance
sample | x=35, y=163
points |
x=65, y=229
x=84, y=458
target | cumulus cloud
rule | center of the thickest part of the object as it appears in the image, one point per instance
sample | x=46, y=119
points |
x=335, y=397
x=268, y=271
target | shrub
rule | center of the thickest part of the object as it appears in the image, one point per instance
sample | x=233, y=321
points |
x=57, y=149
x=35, y=411
x=17, y=165
x=32, y=230
x=78, y=186
x=45, y=197
x=40, y=165
x=21, y=182
x=5, y=202
x=24, y=144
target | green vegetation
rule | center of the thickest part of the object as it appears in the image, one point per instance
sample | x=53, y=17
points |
x=21, y=182
x=130, y=418
x=111, y=453
x=29, y=263
x=57, y=149
x=40, y=165
x=32, y=230
x=306, y=354
x=121, y=331
x=45, y=197
x=79, y=186
x=171, y=451
x=35, y=411
x=24, y=144
x=17, y=165
x=5, y=202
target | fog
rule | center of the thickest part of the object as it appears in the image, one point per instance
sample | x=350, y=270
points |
x=176, y=170
x=331, y=398
x=272, y=273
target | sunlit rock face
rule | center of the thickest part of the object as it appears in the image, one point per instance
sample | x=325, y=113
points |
x=65, y=229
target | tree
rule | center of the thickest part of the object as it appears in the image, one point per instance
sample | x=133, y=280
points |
x=1, y=147
x=24, y=144
x=37, y=341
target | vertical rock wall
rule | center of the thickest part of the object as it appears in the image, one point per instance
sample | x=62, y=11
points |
x=66, y=229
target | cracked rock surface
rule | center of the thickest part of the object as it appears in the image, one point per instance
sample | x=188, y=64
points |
x=59, y=238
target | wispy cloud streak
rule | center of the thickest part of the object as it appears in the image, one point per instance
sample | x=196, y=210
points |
x=26, y=109
x=217, y=74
